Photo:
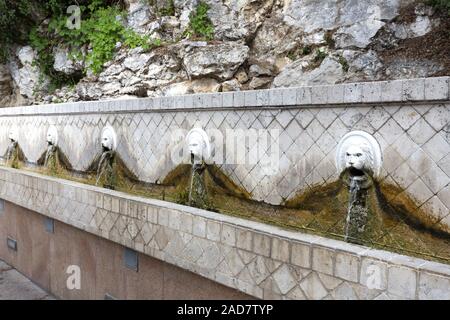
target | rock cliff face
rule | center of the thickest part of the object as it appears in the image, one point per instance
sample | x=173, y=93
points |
x=257, y=44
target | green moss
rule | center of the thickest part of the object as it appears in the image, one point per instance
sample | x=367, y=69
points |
x=299, y=52
x=320, y=56
x=395, y=222
x=168, y=9
x=344, y=63
x=441, y=5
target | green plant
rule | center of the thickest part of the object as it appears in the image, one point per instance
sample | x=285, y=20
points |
x=168, y=10
x=101, y=29
x=200, y=26
x=443, y=5
x=320, y=55
x=306, y=50
x=344, y=63
x=299, y=52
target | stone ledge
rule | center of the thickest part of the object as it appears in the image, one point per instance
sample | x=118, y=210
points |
x=255, y=258
x=395, y=91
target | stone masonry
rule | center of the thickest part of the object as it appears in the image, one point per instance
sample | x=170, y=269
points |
x=409, y=119
x=261, y=260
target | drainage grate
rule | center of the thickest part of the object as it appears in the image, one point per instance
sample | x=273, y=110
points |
x=110, y=297
x=49, y=225
x=11, y=243
x=131, y=259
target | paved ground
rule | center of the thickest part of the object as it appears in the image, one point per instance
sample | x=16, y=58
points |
x=15, y=286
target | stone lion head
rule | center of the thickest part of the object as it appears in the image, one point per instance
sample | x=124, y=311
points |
x=360, y=157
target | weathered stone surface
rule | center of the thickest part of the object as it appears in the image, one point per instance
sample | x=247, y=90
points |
x=433, y=287
x=420, y=27
x=64, y=62
x=328, y=14
x=235, y=20
x=329, y=72
x=231, y=85
x=405, y=68
x=260, y=82
x=300, y=255
x=402, y=282
x=357, y=35
x=140, y=16
x=136, y=62
x=87, y=91
x=373, y=274
x=313, y=287
x=347, y=267
x=322, y=260
x=219, y=61
x=26, y=75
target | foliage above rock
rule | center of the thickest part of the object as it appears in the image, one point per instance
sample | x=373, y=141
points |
x=200, y=26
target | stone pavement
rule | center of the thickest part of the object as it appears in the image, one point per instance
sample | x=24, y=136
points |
x=15, y=286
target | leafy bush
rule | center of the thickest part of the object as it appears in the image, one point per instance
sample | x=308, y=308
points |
x=101, y=29
x=168, y=10
x=443, y=5
x=200, y=26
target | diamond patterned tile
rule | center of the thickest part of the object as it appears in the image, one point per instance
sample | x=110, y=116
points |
x=437, y=147
x=435, y=179
x=421, y=131
x=420, y=191
x=390, y=131
x=406, y=117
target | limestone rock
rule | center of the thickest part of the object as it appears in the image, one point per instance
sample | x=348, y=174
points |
x=178, y=89
x=241, y=76
x=64, y=63
x=219, y=61
x=420, y=27
x=231, y=85
x=237, y=19
x=205, y=85
x=362, y=65
x=357, y=35
x=406, y=69
x=89, y=91
x=140, y=15
x=275, y=37
x=258, y=70
x=26, y=75
x=312, y=15
x=136, y=62
x=260, y=82
x=329, y=72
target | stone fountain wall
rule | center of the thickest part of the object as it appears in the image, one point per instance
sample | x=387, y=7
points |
x=260, y=260
x=409, y=118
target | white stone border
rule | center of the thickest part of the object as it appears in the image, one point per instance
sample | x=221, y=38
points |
x=395, y=91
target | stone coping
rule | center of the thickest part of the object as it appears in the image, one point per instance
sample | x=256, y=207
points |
x=220, y=247
x=395, y=91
